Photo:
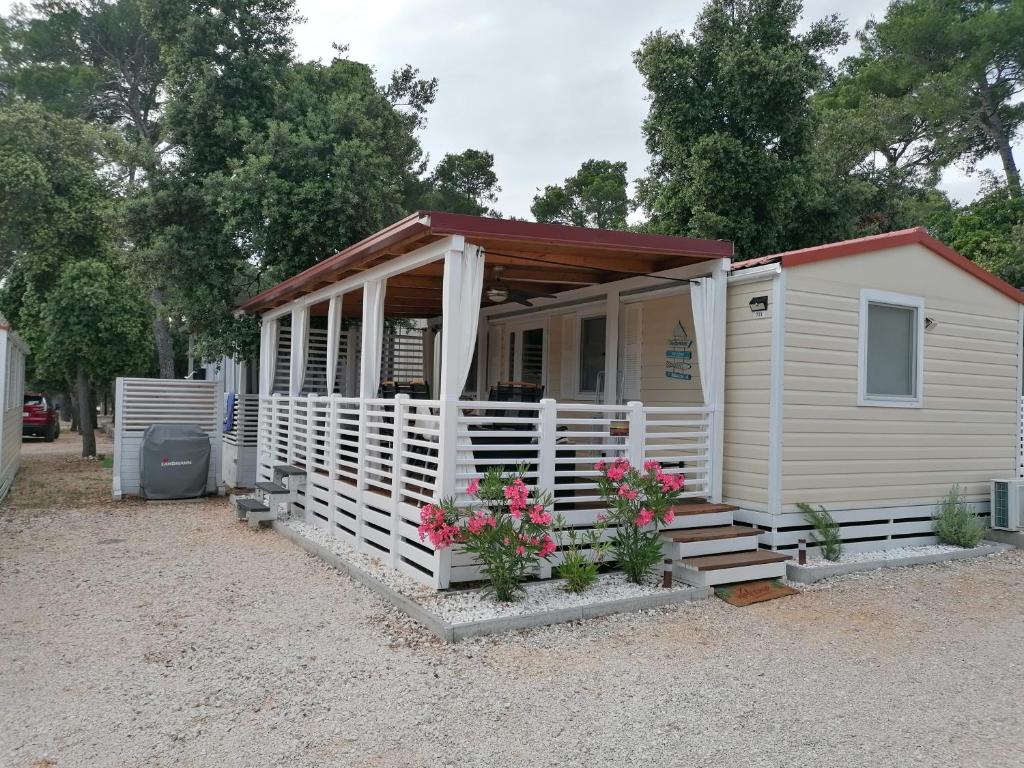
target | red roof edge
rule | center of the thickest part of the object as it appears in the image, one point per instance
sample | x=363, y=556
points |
x=914, y=236
x=375, y=243
x=444, y=223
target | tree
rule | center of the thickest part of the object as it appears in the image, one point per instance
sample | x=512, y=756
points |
x=332, y=166
x=99, y=329
x=225, y=60
x=595, y=196
x=730, y=127
x=961, y=66
x=465, y=183
x=990, y=231
x=95, y=60
x=54, y=216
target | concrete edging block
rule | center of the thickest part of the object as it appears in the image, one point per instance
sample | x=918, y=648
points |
x=810, y=575
x=451, y=633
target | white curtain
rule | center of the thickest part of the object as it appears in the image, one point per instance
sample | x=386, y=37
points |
x=702, y=300
x=333, y=339
x=463, y=284
x=300, y=335
x=428, y=358
x=372, y=337
x=268, y=355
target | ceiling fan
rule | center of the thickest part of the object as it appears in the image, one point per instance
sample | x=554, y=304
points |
x=499, y=290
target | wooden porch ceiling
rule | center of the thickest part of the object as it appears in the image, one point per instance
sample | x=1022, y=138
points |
x=535, y=258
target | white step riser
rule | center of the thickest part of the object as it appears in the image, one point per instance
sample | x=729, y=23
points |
x=706, y=520
x=710, y=547
x=729, y=575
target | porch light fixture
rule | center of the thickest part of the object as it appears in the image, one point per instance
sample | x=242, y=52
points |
x=497, y=295
x=759, y=304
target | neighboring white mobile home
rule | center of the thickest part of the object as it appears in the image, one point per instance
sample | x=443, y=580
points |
x=12, y=400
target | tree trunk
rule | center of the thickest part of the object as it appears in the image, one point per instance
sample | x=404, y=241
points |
x=162, y=335
x=993, y=125
x=84, y=417
x=72, y=410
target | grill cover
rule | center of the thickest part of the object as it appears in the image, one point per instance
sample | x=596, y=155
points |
x=175, y=461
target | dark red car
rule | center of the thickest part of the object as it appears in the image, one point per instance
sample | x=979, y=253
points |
x=39, y=418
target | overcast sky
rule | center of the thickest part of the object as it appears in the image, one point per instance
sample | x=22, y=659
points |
x=543, y=84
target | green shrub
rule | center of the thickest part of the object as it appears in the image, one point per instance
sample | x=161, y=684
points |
x=582, y=555
x=956, y=523
x=825, y=533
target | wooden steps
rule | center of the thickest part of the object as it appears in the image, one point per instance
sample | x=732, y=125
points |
x=688, y=535
x=733, y=560
x=731, y=567
x=701, y=508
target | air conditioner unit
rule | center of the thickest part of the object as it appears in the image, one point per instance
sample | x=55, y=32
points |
x=1007, y=505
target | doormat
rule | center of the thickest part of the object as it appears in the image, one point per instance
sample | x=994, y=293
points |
x=753, y=592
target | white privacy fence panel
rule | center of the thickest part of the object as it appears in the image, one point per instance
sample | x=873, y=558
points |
x=140, y=403
x=370, y=465
x=240, y=442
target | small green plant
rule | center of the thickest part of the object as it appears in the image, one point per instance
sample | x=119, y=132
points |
x=582, y=555
x=825, y=531
x=956, y=523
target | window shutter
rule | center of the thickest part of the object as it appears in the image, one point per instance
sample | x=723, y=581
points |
x=631, y=365
x=570, y=356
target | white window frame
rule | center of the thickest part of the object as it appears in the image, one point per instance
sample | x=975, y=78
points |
x=582, y=315
x=870, y=296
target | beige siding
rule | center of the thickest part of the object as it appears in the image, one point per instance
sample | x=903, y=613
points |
x=660, y=318
x=747, y=385
x=848, y=456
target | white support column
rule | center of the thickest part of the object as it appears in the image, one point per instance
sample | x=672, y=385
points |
x=300, y=334
x=611, y=348
x=397, y=475
x=265, y=386
x=333, y=337
x=637, y=433
x=720, y=277
x=546, y=459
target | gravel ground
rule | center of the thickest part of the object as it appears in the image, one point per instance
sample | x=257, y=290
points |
x=170, y=635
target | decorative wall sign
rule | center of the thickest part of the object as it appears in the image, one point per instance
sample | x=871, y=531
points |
x=679, y=355
x=618, y=429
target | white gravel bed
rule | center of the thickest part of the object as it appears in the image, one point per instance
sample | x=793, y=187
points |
x=880, y=555
x=463, y=606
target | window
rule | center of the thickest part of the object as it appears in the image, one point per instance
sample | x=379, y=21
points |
x=891, y=349
x=592, y=338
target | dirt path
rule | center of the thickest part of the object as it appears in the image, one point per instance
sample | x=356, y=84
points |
x=170, y=635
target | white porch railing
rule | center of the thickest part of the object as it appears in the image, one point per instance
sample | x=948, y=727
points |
x=371, y=464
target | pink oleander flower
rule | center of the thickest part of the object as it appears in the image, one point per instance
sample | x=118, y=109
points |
x=516, y=494
x=520, y=550
x=601, y=518
x=473, y=486
x=601, y=466
x=618, y=470
x=626, y=492
x=669, y=517
x=538, y=516
x=669, y=483
x=645, y=517
x=547, y=546
x=478, y=521
x=652, y=466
